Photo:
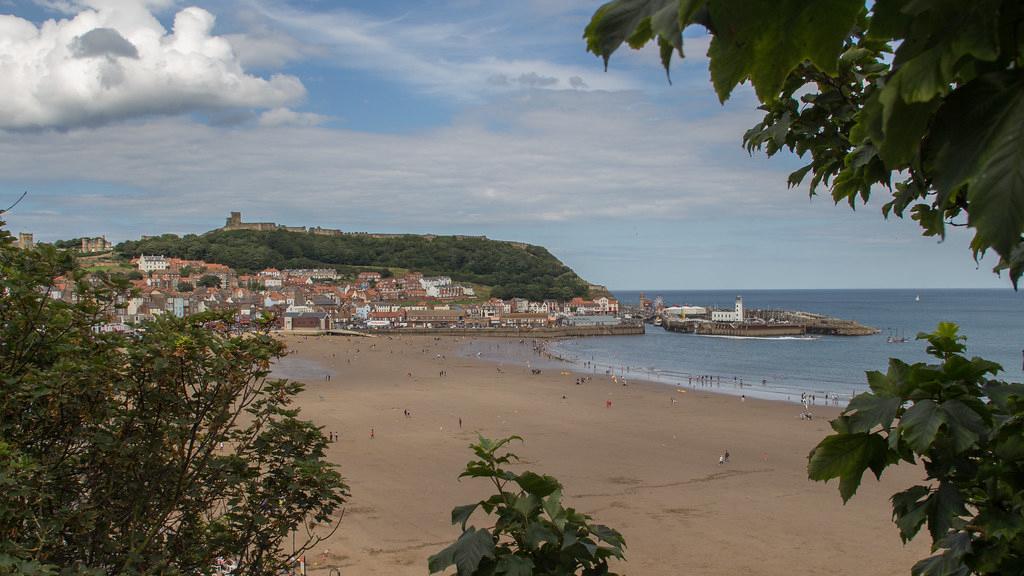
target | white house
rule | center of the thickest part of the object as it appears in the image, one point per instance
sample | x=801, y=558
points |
x=433, y=285
x=153, y=263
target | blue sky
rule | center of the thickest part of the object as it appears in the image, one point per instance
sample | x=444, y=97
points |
x=131, y=117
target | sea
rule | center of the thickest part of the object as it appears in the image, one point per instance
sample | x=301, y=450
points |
x=787, y=368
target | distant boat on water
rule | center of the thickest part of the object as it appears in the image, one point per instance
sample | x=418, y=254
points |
x=917, y=298
x=892, y=338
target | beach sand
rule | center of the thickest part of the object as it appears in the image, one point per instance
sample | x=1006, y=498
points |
x=645, y=466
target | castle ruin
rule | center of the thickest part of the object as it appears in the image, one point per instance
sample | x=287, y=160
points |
x=98, y=244
x=234, y=222
x=25, y=241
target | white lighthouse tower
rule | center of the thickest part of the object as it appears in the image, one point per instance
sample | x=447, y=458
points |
x=739, y=309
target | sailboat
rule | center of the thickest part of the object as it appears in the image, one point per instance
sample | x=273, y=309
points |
x=894, y=339
x=917, y=298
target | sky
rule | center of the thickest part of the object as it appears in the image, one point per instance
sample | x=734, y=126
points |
x=136, y=117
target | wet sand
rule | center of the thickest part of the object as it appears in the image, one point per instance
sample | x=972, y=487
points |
x=645, y=466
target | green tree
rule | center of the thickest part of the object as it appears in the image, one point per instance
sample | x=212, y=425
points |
x=924, y=98
x=520, y=270
x=134, y=275
x=966, y=429
x=189, y=270
x=185, y=286
x=153, y=453
x=72, y=244
x=532, y=532
x=209, y=281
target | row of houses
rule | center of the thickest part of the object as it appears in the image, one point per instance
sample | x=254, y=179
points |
x=319, y=299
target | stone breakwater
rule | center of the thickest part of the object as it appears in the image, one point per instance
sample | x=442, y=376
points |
x=781, y=324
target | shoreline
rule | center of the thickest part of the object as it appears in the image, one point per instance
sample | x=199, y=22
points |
x=642, y=459
x=710, y=383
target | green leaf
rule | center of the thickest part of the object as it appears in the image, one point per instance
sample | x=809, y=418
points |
x=514, y=566
x=460, y=514
x=608, y=535
x=635, y=21
x=527, y=505
x=963, y=424
x=764, y=41
x=879, y=383
x=443, y=559
x=920, y=423
x=472, y=547
x=569, y=539
x=537, y=534
x=904, y=126
x=869, y=410
x=887, y=19
x=797, y=176
x=537, y=484
x=846, y=456
x=978, y=141
x=945, y=506
x=1001, y=523
x=940, y=565
x=465, y=553
x=910, y=510
x=553, y=505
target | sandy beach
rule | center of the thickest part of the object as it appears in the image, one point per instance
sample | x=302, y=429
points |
x=646, y=465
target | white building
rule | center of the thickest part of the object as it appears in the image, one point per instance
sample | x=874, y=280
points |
x=433, y=285
x=153, y=263
x=736, y=315
x=685, y=311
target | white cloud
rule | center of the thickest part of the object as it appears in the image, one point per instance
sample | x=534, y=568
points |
x=114, y=60
x=288, y=117
x=557, y=156
x=452, y=59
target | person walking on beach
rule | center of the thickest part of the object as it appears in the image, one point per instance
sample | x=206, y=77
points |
x=724, y=458
x=371, y=434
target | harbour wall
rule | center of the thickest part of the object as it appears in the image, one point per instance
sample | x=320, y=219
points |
x=721, y=329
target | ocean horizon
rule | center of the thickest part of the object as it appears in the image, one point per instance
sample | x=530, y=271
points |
x=992, y=320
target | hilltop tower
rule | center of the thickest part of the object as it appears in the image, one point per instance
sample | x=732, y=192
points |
x=235, y=219
x=25, y=241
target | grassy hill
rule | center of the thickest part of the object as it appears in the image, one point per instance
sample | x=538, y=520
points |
x=510, y=269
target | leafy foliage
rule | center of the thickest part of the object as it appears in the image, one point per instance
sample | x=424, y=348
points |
x=532, y=533
x=923, y=98
x=512, y=269
x=72, y=244
x=968, y=432
x=156, y=453
x=209, y=281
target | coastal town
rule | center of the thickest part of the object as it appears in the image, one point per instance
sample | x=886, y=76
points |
x=323, y=300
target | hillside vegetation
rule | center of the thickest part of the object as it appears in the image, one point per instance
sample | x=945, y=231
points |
x=512, y=270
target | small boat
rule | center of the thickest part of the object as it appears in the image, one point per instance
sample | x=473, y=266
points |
x=917, y=298
x=892, y=338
